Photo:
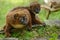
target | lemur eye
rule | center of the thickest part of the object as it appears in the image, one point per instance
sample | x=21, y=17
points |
x=15, y=16
x=37, y=10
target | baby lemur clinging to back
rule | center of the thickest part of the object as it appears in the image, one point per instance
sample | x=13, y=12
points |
x=33, y=9
x=22, y=17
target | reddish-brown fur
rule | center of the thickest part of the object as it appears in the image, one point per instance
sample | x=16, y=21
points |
x=11, y=21
x=28, y=11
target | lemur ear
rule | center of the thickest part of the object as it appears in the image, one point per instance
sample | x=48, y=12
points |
x=15, y=16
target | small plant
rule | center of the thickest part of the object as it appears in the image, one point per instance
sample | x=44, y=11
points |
x=53, y=36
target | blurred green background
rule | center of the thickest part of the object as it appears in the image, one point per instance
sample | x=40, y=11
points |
x=7, y=5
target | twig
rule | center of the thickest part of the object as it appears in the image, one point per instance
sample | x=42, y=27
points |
x=51, y=9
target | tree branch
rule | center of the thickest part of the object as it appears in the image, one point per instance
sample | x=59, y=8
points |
x=51, y=9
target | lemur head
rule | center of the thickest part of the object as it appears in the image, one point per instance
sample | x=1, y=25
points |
x=35, y=7
x=22, y=19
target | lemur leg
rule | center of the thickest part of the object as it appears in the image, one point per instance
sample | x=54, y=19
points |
x=29, y=26
x=7, y=29
x=37, y=21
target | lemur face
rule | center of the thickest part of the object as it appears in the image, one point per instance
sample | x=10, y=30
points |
x=22, y=19
x=35, y=7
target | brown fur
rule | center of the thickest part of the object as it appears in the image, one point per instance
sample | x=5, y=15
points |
x=30, y=15
x=34, y=6
x=31, y=9
x=11, y=21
